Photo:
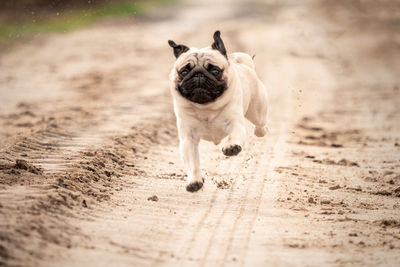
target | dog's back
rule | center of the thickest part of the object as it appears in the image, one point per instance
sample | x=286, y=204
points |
x=242, y=58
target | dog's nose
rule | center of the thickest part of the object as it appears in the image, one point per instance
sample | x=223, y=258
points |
x=199, y=75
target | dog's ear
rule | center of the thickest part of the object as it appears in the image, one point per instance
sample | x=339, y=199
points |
x=219, y=44
x=178, y=49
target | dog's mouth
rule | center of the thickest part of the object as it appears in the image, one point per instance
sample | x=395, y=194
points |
x=201, y=89
x=200, y=95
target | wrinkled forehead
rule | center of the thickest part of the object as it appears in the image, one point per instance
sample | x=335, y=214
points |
x=201, y=57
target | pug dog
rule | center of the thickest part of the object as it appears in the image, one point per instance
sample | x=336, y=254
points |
x=213, y=93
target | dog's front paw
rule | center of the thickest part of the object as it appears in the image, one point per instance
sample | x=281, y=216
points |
x=231, y=150
x=194, y=186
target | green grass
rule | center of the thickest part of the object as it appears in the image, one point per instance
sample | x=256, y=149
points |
x=69, y=20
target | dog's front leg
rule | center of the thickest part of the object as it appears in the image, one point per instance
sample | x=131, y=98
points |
x=235, y=140
x=189, y=146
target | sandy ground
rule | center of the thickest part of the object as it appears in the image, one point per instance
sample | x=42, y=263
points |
x=88, y=138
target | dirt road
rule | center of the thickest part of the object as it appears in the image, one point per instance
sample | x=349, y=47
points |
x=88, y=138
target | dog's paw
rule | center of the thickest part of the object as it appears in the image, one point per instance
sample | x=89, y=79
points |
x=260, y=131
x=194, y=186
x=231, y=150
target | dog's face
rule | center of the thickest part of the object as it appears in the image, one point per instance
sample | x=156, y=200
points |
x=200, y=75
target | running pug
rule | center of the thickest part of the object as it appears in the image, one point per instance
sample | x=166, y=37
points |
x=213, y=93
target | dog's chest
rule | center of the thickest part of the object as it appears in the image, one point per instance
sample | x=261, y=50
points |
x=212, y=128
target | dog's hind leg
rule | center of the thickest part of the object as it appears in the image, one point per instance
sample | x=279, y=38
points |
x=260, y=131
x=258, y=109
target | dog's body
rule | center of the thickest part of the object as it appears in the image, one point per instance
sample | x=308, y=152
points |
x=213, y=93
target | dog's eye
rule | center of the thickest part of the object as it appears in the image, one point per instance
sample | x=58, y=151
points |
x=215, y=71
x=183, y=72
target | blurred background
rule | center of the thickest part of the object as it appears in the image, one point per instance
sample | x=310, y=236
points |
x=34, y=17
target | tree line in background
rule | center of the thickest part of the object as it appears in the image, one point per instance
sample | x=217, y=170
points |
x=48, y=4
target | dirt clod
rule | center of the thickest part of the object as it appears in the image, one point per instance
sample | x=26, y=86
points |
x=382, y=193
x=335, y=187
x=153, y=198
x=24, y=165
x=336, y=145
x=389, y=223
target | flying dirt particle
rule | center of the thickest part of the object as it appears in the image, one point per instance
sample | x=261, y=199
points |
x=309, y=157
x=334, y=187
x=311, y=200
x=222, y=184
x=353, y=234
x=84, y=203
x=153, y=198
x=396, y=144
